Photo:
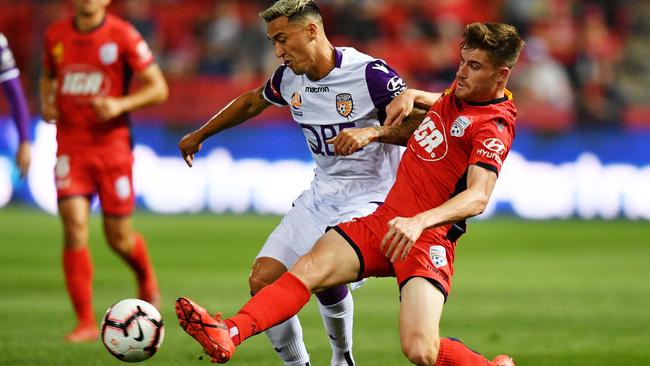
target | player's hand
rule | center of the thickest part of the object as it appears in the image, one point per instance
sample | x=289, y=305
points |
x=23, y=158
x=399, y=108
x=402, y=234
x=189, y=145
x=49, y=112
x=351, y=140
x=107, y=108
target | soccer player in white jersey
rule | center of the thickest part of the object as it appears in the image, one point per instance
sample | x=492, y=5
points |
x=328, y=90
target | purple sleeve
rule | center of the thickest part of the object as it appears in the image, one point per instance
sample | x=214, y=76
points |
x=383, y=85
x=14, y=92
x=272, y=88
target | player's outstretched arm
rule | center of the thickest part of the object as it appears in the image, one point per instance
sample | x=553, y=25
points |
x=351, y=140
x=403, y=105
x=404, y=231
x=239, y=110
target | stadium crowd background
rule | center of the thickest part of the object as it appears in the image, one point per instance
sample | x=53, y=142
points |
x=585, y=65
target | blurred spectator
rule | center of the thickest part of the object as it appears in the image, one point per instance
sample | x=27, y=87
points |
x=600, y=46
x=600, y=102
x=543, y=88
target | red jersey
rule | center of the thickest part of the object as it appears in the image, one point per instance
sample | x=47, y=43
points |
x=87, y=65
x=453, y=135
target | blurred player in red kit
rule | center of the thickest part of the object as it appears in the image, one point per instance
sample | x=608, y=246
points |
x=446, y=175
x=88, y=63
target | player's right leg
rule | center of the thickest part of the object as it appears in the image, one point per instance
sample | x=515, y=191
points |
x=332, y=261
x=286, y=338
x=77, y=265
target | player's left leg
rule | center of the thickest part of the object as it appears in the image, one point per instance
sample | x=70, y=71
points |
x=337, y=310
x=132, y=247
x=420, y=312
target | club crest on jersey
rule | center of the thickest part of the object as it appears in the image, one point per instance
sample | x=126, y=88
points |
x=108, y=53
x=344, y=104
x=459, y=126
x=438, y=255
x=296, y=104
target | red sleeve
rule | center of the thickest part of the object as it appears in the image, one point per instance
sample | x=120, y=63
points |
x=491, y=143
x=137, y=52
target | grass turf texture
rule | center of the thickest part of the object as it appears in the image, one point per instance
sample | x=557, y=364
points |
x=548, y=293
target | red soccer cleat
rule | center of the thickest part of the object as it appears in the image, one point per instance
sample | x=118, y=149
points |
x=211, y=332
x=83, y=333
x=503, y=360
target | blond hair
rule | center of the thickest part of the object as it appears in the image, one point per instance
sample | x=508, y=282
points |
x=292, y=9
x=501, y=41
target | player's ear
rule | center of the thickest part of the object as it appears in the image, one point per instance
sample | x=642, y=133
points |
x=312, y=30
x=503, y=73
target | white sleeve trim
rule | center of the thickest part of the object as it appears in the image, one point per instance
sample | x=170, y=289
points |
x=8, y=75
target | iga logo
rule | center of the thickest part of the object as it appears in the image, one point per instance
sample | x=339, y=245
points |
x=431, y=138
x=494, y=144
x=84, y=81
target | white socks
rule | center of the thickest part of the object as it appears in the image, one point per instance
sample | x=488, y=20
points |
x=337, y=319
x=286, y=339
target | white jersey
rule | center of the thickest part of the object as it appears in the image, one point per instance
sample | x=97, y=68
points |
x=354, y=94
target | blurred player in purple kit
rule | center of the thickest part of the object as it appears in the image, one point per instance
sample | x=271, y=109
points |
x=13, y=90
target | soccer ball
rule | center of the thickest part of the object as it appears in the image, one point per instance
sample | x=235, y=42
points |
x=132, y=330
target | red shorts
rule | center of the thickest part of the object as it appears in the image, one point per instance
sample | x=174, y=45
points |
x=431, y=256
x=103, y=173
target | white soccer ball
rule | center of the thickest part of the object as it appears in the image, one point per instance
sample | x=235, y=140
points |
x=132, y=330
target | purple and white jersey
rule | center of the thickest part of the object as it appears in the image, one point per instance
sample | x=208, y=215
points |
x=354, y=94
x=8, y=68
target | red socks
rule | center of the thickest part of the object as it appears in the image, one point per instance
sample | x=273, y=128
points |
x=274, y=304
x=453, y=352
x=140, y=262
x=78, y=272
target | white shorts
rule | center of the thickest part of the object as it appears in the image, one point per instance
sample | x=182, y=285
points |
x=305, y=223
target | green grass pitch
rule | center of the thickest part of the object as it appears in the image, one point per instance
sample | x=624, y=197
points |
x=565, y=293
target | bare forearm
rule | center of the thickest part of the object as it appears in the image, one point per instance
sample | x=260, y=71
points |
x=46, y=90
x=424, y=99
x=460, y=207
x=152, y=93
x=400, y=134
x=239, y=110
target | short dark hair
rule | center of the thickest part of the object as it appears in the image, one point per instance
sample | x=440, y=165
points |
x=500, y=40
x=294, y=10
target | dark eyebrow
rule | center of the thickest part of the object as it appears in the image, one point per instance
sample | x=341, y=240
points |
x=276, y=36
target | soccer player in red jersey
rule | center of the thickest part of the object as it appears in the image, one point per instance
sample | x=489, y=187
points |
x=88, y=64
x=446, y=175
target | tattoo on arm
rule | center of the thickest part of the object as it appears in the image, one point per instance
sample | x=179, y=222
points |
x=400, y=134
